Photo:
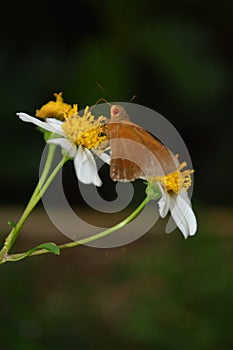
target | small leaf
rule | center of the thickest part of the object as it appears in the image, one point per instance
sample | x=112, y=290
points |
x=50, y=247
x=11, y=224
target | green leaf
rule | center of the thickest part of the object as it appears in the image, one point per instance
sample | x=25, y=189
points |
x=11, y=224
x=49, y=246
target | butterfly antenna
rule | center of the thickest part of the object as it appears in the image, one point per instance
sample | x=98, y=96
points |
x=133, y=98
x=101, y=99
x=103, y=90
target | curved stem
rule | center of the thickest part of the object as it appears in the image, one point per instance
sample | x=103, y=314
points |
x=45, y=172
x=37, y=194
x=15, y=257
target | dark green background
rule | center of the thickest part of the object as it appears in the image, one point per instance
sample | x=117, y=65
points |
x=176, y=56
x=161, y=292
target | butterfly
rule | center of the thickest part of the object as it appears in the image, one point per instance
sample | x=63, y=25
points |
x=135, y=153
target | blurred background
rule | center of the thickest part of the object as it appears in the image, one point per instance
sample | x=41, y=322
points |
x=160, y=292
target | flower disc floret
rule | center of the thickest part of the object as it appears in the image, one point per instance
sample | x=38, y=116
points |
x=84, y=130
x=177, y=180
x=54, y=109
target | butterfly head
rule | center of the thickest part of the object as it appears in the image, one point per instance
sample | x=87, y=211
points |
x=118, y=114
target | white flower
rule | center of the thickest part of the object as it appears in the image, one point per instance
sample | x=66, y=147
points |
x=181, y=211
x=79, y=138
x=175, y=198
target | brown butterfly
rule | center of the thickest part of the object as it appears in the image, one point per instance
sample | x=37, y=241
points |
x=134, y=152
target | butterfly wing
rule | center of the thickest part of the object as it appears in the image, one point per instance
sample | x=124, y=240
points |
x=134, y=152
x=123, y=165
x=137, y=154
x=158, y=160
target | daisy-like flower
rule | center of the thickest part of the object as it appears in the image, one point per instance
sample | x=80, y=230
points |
x=79, y=136
x=175, y=198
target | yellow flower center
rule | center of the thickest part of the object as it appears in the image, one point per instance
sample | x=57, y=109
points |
x=54, y=109
x=85, y=130
x=177, y=180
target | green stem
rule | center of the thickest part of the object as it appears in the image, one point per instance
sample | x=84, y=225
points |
x=37, y=194
x=15, y=257
x=45, y=172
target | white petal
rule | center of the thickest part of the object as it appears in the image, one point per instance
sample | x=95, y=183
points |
x=69, y=147
x=184, y=195
x=189, y=215
x=183, y=215
x=85, y=167
x=163, y=203
x=104, y=157
x=53, y=121
x=57, y=124
x=44, y=125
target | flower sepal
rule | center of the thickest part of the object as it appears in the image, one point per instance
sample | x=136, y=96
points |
x=47, y=134
x=153, y=191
